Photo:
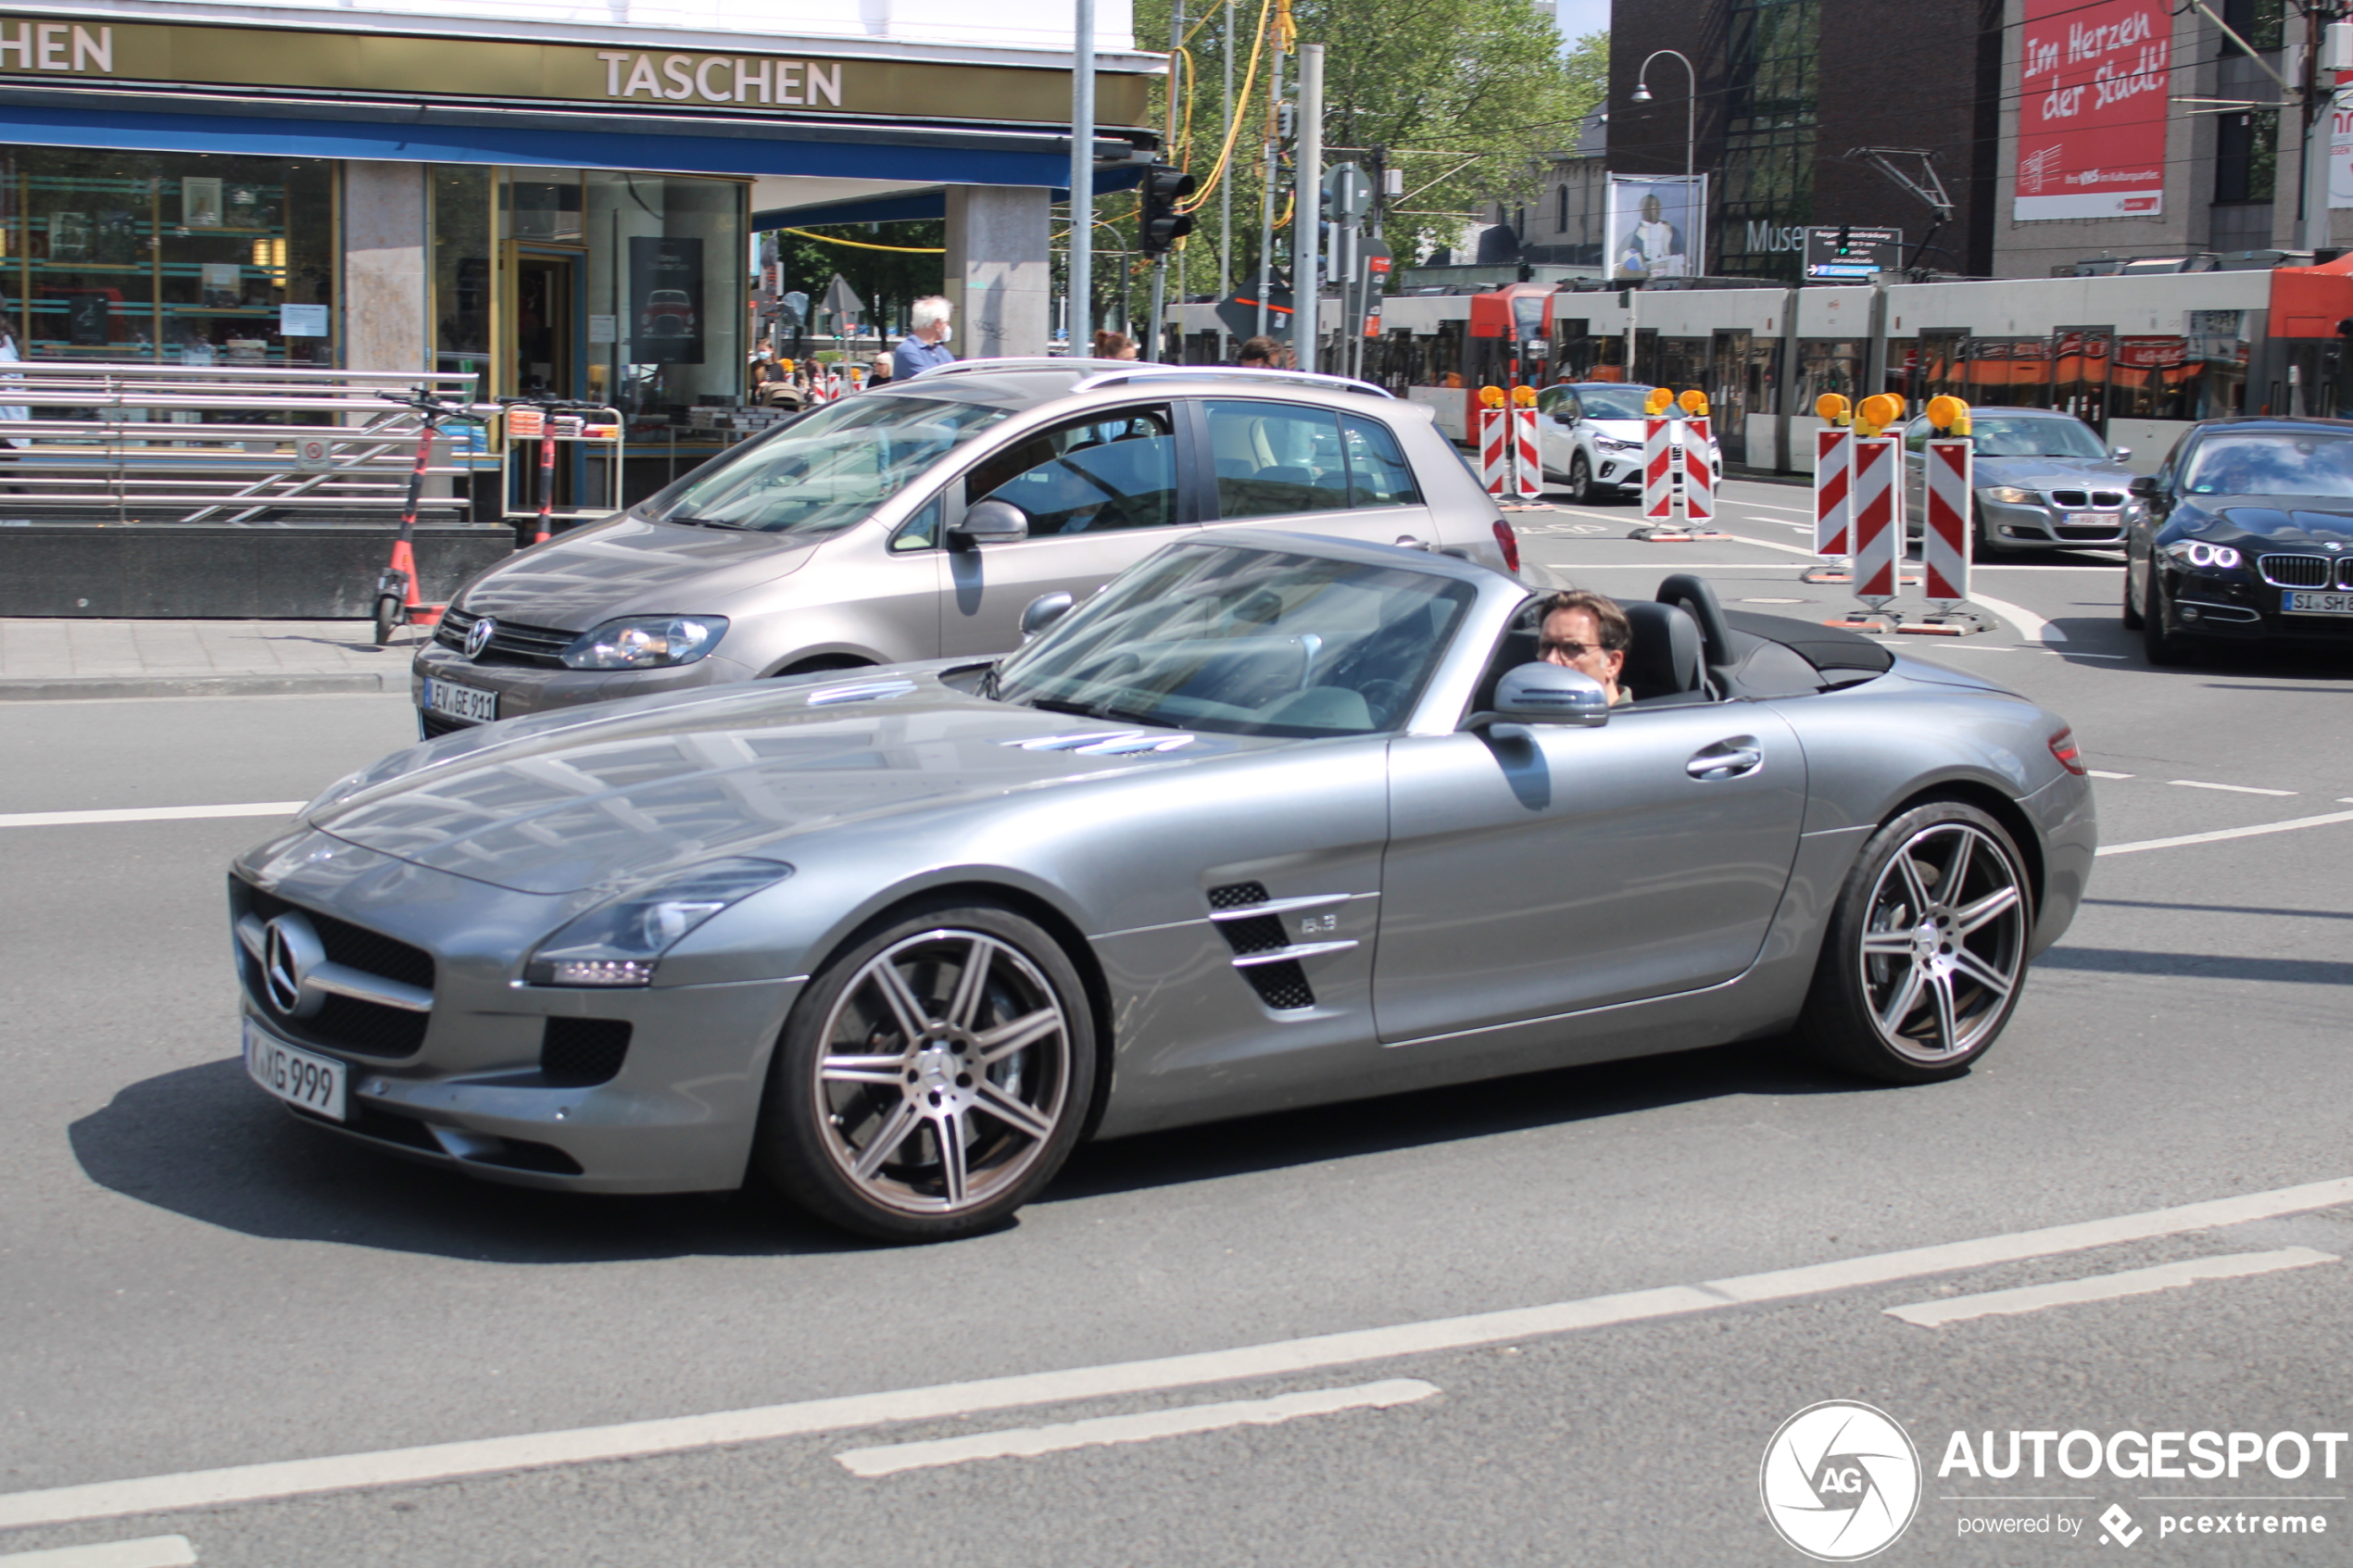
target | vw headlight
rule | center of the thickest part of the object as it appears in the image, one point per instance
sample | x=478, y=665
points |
x=2009, y=496
x=647, y=642
x=2198, y=553
x=619, y=943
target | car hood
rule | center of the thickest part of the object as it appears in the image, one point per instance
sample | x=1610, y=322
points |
x=1631, y=430
x=2052, y=473
x=2276, y=519
x=629, y=791
x=628, y=566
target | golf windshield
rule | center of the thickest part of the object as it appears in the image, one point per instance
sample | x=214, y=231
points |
x=829, y=470
x=1245, y=642
x=1999, y=435
x=2271, y=464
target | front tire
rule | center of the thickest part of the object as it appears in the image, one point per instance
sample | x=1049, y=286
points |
x=932, y=1078
x=2133, y=621
x=388, y=616
x=1926, y=951
x=2165, y=647
x=1580, y=480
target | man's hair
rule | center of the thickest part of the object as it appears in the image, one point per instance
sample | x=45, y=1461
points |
x=1618, y=633
x=932, y=308
x=1257, y=350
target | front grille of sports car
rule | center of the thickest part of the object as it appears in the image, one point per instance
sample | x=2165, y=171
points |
x=2296, y=571
x=437, y=724
x=1234, y=895
x=541, y=647
x=575, y=1053
x=346, y=1023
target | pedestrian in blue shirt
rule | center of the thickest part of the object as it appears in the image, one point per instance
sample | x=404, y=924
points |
x=926, y=344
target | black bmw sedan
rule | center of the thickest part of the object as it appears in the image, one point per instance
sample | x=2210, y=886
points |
x=2246, y=534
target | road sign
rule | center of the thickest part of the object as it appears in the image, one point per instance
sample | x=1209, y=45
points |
x=1845, y=251
x=1348, y=194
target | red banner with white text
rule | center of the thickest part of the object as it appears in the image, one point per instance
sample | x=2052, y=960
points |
x=2092, y=109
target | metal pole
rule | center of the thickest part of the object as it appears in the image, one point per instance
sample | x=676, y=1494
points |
x=1151, y=349
x=1267, y=191
x=1308, y=215
x=1226, y=197
x=1082, y=179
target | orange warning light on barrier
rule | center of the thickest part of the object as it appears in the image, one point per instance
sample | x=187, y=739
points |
x=1948, y=414
x=1877, y=414
x=1491, y=396
x=1694, y=403
x=1833, y=408
x=1524, y=396
x=1658, y=402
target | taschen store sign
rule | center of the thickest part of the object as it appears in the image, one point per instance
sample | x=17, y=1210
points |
x=2092, y=109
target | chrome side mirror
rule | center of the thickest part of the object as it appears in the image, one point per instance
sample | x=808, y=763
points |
x=1546, y=694
x=991, y=522
x=2120, y=453
x=1043, y=611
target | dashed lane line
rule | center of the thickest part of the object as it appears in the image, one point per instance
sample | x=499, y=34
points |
x=2234, y=789
x=2107, y=1288
x=153, y=1551
x=443, y=1461
x=2221, y=833
x=149, y=814
x=1027, y=1442
x=2104, y=773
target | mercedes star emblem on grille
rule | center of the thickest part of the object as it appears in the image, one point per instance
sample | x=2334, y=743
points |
x=478, y=636
x=290, y=951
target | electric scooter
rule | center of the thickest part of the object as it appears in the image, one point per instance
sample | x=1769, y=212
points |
x=548, y=411
x=398, y=603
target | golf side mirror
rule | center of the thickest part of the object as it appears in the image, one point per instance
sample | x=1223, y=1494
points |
x=991, y=522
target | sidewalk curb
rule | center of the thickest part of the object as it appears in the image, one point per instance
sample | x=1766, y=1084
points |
x=86, y=687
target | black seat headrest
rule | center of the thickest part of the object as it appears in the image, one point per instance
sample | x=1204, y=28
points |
x=1664, y=659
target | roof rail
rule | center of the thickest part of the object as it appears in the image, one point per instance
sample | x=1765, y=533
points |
x=1011, y=362
x=1129, y=371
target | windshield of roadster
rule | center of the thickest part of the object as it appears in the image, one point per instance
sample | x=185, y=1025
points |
x=1246, y=642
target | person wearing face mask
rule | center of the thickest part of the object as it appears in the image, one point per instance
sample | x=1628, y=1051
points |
x=925, y=344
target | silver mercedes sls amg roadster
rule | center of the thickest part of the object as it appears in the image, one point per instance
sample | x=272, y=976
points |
x=1269, y=821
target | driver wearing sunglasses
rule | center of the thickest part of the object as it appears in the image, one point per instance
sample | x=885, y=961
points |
x=1587, y=631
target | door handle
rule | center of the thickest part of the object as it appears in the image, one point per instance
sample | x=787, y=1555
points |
x=1726, y=759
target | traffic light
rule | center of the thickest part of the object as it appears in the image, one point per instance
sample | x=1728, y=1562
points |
x=1161, y=225
x=1845, y=246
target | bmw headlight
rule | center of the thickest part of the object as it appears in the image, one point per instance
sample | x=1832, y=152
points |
x=2198, y=553
x=619, y=943
x=647, y=642
x=2009, y=495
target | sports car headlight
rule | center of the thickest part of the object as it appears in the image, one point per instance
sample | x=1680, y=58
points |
x=2198, y=553
x=647, y=642
x=619, y=943
x=2009, y=495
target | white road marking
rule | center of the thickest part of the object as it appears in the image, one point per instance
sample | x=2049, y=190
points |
x=2221, y=833
x=1023, y=1442
x=149, y=814
x=2020, y=566
x=1282, y=1358
x=2032, y=625
x=154, y=1552
x=2234, y=789
x=2102, y=773
x=2107, y=1288
x=1770, y=507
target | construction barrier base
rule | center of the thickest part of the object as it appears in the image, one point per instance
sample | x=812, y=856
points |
x=1662, y=534
x=1951, y=620
x=1827, y=572
x=1877, y=622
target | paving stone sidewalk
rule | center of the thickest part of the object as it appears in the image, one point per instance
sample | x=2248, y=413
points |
x=69, y=659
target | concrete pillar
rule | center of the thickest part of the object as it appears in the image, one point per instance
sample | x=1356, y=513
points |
x=999, y=276
x=386, y=286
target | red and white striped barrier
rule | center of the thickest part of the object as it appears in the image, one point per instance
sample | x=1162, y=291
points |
x=1658, y=470
x=1494, y=450
x=1833, y=489
x=1699, y=473
x=1527, y=456
x=1945, y=537
x=1879, y=521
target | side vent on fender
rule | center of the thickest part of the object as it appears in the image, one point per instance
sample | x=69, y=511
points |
x=1252, y=926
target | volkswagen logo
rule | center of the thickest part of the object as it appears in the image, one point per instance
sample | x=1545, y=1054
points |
x=290, y=953
x=478, y=636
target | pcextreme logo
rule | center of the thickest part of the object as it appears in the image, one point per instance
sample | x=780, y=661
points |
x=1840, y=1481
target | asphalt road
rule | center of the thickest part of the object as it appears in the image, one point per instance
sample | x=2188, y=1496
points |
x=189, y=1282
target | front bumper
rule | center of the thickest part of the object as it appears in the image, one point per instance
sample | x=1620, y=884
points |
x=2037, y=526
x=525, y=689
x=481, y=1091
x=2239, y=607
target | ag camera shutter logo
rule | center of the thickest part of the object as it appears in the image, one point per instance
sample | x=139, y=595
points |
x=1840, y=1481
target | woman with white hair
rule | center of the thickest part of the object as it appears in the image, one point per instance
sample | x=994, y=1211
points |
x=925, y=344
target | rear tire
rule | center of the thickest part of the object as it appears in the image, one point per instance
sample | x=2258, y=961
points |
x=933, y=1076
x=388, y=616
x=1926, y=951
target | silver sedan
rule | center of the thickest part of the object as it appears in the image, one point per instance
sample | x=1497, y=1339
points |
x=1273, y=820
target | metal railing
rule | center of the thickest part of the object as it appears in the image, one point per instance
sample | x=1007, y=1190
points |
x=218, y=443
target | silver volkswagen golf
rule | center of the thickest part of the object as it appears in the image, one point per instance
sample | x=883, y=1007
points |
x=917, y=522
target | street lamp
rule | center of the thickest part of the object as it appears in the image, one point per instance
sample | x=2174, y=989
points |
x=1691, y=147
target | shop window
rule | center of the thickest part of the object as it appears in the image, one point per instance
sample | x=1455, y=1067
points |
x=665, y=297
x=462, y=271
x=180, y=258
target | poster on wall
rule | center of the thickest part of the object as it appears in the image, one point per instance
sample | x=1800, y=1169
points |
x=1654, y=226
x=2341, y=143
x=2092, y=109
x=665, y=300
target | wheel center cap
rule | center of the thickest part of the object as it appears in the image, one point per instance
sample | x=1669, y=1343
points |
x=1927, y=941
x=937, y=1066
